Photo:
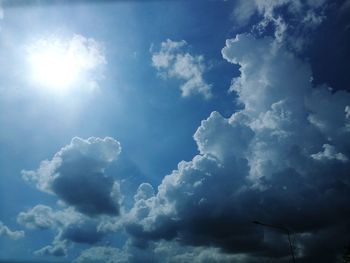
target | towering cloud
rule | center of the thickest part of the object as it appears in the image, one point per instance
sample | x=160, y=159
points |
x=283, y=159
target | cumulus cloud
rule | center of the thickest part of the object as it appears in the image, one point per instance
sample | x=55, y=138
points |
x=7, y=232
x=172, y=61
x=282, y=160
x=76, y=175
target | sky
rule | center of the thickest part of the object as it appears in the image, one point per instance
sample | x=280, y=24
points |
x=158, y=131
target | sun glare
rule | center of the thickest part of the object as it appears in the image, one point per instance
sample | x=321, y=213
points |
x=54, y=68
x=55, y=64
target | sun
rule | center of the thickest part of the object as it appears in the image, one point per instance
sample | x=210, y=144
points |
x=55, y=64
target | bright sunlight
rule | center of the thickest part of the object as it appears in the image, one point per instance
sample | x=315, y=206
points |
x=59, y=65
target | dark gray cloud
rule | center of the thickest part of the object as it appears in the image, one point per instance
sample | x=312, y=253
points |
x=82, y=232
x=76, y=175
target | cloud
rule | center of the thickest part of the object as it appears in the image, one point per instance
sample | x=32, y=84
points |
x=83, y=232
x=76, y=175
x=70, y=226
x=58, y=249
x=282, y=159
x=5, y=231
x=172, y=61
x=293, y=21
x=329, y=153
x=101, y=255
x=40, y=216
x=44, y=217
x=157, y=252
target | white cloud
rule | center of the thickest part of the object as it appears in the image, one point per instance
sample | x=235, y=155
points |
x=144, y=192
x=172, y=61
x=58, y=249
x=39, y=217
x=347, y=112
x=329, y=153
x=44, y=217
x=308, y=14
x=76, y=175
x=7, y=232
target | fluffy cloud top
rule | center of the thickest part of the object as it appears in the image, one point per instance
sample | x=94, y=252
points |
x=76, y=175
x=7, y=232
x=306, y=16
x=283, y=159
x=172, y=61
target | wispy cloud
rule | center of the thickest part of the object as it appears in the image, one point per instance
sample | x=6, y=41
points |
x=172, y=61
x=7, y=232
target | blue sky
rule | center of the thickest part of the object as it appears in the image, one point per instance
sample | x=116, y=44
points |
x=156, y=131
